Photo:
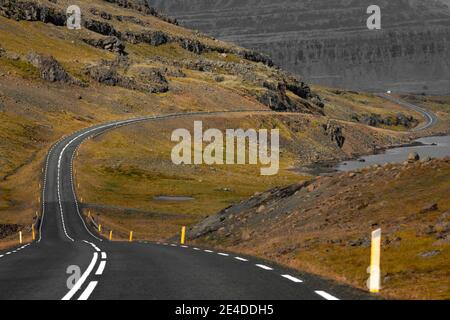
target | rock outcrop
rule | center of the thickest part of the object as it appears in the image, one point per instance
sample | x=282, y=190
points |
x=376, y=120
x=149, y=80
x=31, y=11
x=50, y=69
x=334, y=131
x=112, y=44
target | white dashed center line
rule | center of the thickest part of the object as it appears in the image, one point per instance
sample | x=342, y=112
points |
x=103, y=255
x=264, y=267
x=209, y=251
x=241, y=259
x=223, y=254
x=326, y=295
x=293, y=279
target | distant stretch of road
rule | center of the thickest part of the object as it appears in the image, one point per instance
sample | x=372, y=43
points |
x=138, y=270
x=430, y=118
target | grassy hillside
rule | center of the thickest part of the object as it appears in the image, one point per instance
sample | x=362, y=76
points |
x=324, y=227
x=129, y=62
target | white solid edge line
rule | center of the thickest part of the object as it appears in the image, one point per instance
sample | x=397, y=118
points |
x=293, y=279
x=101, y=268
x=86, y=294
x=326, y=295
x=83, y=278
x=241, y=259
x=264, y=267
x=103, y=255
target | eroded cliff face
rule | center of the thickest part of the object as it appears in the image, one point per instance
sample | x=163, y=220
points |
x=327, y=41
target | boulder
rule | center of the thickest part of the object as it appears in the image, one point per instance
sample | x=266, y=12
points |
x=413, y=157
x=429, y=208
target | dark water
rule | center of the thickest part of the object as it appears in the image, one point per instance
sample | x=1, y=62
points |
x=434, y=147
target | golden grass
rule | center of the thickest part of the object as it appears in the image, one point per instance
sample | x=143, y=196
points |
x=395, y=204
x=145, y=172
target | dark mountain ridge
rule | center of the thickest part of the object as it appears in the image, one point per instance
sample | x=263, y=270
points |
x=328, y=43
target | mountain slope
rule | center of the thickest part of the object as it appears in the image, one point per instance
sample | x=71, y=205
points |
x=327, y=42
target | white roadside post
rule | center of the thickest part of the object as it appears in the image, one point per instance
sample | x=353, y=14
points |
x=20, y=237
x=374, y=280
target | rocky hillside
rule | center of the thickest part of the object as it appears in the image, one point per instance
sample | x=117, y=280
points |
x=327, y=41
x=112, y=31
x=127, y=60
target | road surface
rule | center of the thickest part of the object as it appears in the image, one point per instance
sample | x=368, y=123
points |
x=112, y=270
x=430, y=118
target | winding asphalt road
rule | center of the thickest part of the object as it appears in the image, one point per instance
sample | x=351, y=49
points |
x=112, y=270
x=430, y=118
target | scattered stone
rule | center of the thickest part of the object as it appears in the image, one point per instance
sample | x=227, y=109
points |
x=430, y=254
x=219, y=78
x=364, y=242
x=260, y=209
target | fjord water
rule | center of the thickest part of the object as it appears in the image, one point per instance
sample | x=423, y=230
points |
x=433, y=147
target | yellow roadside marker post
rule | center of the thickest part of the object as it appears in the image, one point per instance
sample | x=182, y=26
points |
x=33, y=233
x=131, y=236
x=110, y=235
x=99, y=228
x=375, y=257
x=20, y=237
x=183, y=235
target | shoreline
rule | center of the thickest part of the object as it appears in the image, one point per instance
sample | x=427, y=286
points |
x=329, y=167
